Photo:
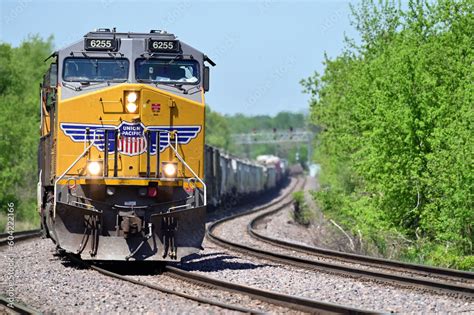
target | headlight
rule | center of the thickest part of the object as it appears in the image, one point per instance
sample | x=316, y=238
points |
x=132, y=97
x=131, y=102
x=132, y=108
x=170, y=169
x=94, y=168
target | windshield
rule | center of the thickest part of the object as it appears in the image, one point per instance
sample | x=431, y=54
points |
x=167, y=71
x=95, y=69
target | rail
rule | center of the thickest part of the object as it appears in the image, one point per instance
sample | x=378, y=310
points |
x=300, y=262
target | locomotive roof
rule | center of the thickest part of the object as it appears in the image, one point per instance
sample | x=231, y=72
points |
x=158, y=34
x=78, y=46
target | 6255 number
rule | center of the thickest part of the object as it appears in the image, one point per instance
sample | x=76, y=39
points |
x=163, y=45
x=100, y=44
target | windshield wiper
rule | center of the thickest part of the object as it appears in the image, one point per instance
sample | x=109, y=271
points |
x=145, y=81
x=178, y=86
x=181, y=88
x=72, y=87
x=193, y=87
x=90, y=84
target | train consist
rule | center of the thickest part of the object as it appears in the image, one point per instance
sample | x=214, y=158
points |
x=231, y=180
x=123, y=170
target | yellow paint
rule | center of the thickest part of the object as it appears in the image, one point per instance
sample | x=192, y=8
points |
x=107, y=107
x=128, y=182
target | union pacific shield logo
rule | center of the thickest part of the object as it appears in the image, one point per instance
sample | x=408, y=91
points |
x=131, y=136
x=132, y=140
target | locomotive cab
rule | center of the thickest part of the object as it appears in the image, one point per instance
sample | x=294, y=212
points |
x=121, y=155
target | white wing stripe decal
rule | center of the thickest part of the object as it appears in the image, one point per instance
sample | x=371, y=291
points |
x=78, y=133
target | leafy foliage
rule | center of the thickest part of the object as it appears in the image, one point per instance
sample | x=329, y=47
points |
x=397, y=145
x=219, y=129
x=21, y=70
x=302, y=213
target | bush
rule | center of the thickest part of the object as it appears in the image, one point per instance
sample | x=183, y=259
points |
x=302, y=214
x=21, y=70
x=396, y=146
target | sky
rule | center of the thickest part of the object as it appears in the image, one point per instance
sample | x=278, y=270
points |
x=262, y=48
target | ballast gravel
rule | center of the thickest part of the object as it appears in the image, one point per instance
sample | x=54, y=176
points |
x=324, y=286
x=280, y=226
x=359, y=293
x=44, y=282
x=227, y=297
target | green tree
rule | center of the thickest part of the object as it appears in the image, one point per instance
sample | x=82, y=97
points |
x=217, y=130
x=396, y=113
x=21, y=70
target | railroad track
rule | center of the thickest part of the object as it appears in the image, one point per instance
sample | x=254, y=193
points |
x=9, y=239
x=289, y=301
x=450, y=279
x=453, y=282
x=160, y=288
x=16, y=307
x=283, y=300
x=21, y=308
x=5, y=238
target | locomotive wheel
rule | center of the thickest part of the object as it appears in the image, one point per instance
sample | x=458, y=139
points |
x=44, y=227
x=48, y=221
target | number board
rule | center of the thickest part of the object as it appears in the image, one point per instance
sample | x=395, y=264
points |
x=160, y=45
x=100, y=44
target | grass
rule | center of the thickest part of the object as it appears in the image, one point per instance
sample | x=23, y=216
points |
x=302, y=214
x=30, y=223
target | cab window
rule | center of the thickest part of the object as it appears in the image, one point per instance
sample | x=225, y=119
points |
x=167, y=71
x=95, y=69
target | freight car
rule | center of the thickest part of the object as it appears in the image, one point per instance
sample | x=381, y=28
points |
x=231, y=180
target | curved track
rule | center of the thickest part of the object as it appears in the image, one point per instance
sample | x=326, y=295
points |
x=284, y=300
x=450, y=279
x=9, y=239
x=456, y=282
x=5, y=238
x=26, y=309
x=16, y=307
x=292, y=302
x=161, y=288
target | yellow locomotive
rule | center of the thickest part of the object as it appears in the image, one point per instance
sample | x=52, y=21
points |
x=121, y=156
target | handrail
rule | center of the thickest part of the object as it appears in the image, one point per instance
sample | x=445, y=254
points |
x=68, y=169
x=174, y=148
x=188, y=167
